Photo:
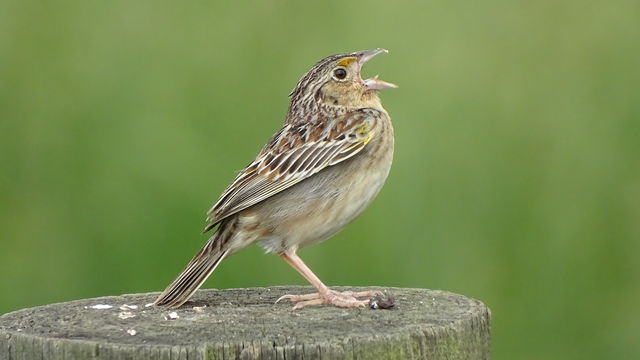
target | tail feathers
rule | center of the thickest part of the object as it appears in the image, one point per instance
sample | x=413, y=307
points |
x=193, y=276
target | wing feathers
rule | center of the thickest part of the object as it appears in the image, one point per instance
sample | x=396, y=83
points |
x=292, y=155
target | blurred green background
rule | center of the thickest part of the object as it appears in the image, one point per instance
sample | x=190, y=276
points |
x=516, y=178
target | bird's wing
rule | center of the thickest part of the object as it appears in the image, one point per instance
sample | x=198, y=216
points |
x=293, y=154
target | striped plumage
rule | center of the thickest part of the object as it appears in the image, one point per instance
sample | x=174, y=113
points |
x=315, y=175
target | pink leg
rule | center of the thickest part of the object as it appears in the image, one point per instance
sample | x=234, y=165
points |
x=324, y=295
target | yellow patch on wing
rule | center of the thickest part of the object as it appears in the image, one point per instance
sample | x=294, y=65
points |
x=367, y=134
x=362, y=129
x=366, y=140
x=347, y=61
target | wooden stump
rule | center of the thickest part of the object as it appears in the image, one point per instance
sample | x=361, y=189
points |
x=245, y=324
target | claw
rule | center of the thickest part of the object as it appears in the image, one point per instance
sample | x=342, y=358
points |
x=298, y=298
x=344, y=299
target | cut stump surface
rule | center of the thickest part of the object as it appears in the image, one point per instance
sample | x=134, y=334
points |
x=246, y=324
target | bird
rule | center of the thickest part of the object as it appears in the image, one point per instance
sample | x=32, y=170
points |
x=314, y=176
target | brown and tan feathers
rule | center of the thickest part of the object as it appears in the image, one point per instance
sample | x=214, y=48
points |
x=293, y=154
x=199, y=268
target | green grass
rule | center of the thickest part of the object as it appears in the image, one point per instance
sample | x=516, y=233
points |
x=516, y=177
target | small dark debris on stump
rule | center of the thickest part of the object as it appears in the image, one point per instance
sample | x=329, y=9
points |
x=378, y=302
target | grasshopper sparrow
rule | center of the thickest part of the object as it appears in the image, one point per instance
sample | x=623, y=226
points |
x=316, y=174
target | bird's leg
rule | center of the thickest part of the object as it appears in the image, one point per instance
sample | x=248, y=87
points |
x=324, y=295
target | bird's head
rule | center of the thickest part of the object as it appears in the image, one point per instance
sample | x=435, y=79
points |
x=336, y=81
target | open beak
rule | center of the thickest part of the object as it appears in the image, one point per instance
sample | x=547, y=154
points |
x=373, y=83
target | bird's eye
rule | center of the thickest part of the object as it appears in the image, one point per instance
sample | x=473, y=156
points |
x=340, y=73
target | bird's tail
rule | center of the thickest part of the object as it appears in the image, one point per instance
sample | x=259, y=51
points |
x=195, y=274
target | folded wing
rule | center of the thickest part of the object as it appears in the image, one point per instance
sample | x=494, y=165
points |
x=292, y=155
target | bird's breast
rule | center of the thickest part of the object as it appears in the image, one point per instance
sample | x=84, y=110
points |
x=320, y=206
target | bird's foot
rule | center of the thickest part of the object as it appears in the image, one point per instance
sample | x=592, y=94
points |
x=344, y=299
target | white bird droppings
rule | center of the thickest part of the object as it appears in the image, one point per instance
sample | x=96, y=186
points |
x=126, y=315
x=101, y=306
x=171, y=316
